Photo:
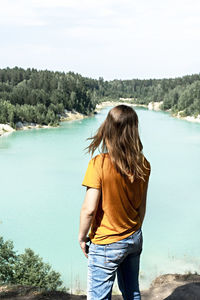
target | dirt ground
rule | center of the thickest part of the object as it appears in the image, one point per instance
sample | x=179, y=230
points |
x=165, y=287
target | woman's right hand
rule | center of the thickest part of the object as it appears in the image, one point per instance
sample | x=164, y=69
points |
x=84, y=246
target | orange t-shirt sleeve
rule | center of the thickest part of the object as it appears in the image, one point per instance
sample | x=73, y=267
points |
x=93, y=175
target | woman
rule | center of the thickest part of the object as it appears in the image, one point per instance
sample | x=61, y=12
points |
x=114, y=206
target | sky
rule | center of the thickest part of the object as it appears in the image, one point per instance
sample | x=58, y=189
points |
x=113, y=39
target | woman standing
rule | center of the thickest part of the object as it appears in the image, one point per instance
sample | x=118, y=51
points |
x=114, y=206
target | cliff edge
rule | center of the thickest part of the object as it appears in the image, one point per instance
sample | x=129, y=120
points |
x=164, y=287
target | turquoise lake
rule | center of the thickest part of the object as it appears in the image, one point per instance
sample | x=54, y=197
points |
x=41, y=194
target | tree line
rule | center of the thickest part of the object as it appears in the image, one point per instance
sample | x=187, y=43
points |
x=42, y=97
x=181, y=94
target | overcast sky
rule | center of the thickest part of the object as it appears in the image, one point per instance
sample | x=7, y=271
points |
x=120, y=39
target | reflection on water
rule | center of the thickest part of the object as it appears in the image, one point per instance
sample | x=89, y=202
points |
x=3, y=143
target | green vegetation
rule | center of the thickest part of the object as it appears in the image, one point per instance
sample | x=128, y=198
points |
x=26, y=269
x=43, y=96
x=177, y=94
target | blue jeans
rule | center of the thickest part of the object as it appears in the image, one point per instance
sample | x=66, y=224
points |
x=104, y=261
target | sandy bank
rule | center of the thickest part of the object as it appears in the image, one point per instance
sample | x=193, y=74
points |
x=115, y=103
x=71, y=116
x=164, y=287
x=6, y=129
x=188, y=118
x=156, y=106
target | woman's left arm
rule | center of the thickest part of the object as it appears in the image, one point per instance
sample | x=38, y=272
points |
x=88, y=211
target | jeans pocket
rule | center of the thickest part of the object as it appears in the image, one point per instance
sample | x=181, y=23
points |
x=115, y=252
x=113, y=256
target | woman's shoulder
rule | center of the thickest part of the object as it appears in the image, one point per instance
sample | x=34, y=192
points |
x=99, y=159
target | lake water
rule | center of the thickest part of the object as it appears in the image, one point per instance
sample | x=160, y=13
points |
x=41, y=194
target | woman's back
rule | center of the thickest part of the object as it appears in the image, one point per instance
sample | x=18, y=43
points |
x=117, y=213
x=114, y=206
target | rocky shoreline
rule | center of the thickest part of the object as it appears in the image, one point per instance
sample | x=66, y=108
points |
x=126, y=101
x=5, y=129
x=164, y=287
x=188, y=118
x=71, y=116
x=156, y=106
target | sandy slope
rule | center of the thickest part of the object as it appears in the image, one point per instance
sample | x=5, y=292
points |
x=165, y=287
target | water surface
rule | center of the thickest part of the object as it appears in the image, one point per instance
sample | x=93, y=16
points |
x=41, y=194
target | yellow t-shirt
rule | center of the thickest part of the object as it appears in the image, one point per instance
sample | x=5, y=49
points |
x=117, y=213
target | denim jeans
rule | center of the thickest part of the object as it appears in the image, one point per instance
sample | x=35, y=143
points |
x=121, y=258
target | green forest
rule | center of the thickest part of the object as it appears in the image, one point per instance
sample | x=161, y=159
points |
x=42, y=96
x=181, y=94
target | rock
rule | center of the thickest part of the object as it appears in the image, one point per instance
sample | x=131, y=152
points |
x=19, y=125
x=155, y=105
x=126, y=99
x=174, y=287
x=6, y=127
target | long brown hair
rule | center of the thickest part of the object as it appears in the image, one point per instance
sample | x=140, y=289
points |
x=119, y=136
